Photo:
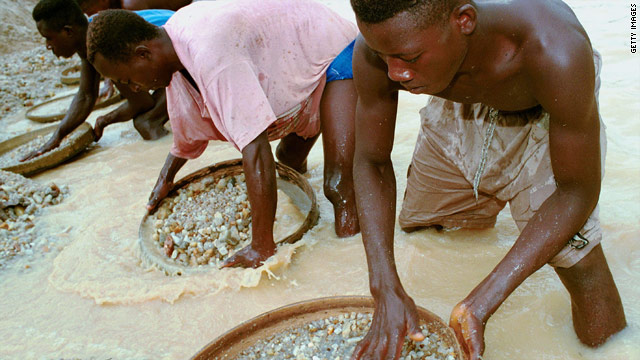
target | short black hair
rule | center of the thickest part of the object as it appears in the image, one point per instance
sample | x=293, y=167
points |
x=422, y=12
x=114, y=33
x=59, y=13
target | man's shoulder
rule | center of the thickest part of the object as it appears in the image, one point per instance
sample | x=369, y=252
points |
x=554, y=39
x=557, y=53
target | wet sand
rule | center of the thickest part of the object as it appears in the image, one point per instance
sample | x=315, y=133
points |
x=91, y=297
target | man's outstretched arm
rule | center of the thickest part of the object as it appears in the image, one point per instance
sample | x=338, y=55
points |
x=165, y=181
x=81, y=106
x=260, y=173
x=136, y=103
x=565, y=89
x=375, y=186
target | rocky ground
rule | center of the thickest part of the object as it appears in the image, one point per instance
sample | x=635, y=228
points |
x=29, y=74
x=21, y=200
x=28, y=77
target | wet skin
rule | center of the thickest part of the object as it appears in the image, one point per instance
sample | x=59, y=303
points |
x=153, y=64
x=337, y=111
x=511, y=56
x=71, y=40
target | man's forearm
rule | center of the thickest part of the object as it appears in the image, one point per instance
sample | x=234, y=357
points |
x=375, y=188
x=559, y=218
x=171, y=167
x=80, y=108
x=122, y=113
x=165, y=181
x=260, y=174
x=137, y=102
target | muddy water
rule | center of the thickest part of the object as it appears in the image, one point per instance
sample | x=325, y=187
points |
x=91, y=296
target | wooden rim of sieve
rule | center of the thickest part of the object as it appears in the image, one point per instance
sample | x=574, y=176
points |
x=59, y=116
x=66, y=76
x=79, y=139
x=289, y=181
x=245, y=335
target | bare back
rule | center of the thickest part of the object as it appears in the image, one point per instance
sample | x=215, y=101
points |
x=154, y=4
x=527, y=38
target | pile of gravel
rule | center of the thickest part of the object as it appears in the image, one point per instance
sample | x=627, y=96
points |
x=205, y=222
x=335, y=338
x=21, y=200
x=29, y=77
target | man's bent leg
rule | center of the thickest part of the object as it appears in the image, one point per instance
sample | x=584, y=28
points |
x=595, y=302
x=337, y=115
x=292, y=151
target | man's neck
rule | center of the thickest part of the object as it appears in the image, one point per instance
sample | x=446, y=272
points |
x=168, y=52
x=492, y=41
x=82, y=42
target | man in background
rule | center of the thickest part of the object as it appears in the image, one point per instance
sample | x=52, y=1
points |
x=64, y=26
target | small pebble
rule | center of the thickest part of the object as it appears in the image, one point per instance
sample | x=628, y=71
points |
x=21, y=200
x=322, y=339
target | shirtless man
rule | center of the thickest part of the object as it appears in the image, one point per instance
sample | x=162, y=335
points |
x=91, y=7
x=64, y=26
x=258, y=75
x=514, y=118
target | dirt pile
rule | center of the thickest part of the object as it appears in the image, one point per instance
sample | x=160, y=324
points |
x=17, y=28
x=29, y=73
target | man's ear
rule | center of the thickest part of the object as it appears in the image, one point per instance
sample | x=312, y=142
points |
x=465, y=16
x=142, y=52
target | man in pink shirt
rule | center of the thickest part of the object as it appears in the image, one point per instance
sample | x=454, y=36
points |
x=246, y=72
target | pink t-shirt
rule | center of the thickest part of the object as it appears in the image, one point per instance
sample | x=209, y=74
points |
x=252, y=61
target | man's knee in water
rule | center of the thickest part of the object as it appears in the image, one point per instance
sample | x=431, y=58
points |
x=595, y=302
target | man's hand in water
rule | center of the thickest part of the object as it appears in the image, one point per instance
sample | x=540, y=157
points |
x=395, y=316
x=102, y=122
x=53, y=143
x=107, y=90
x=469, y=330
x=159, y=192
x=249, y=257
